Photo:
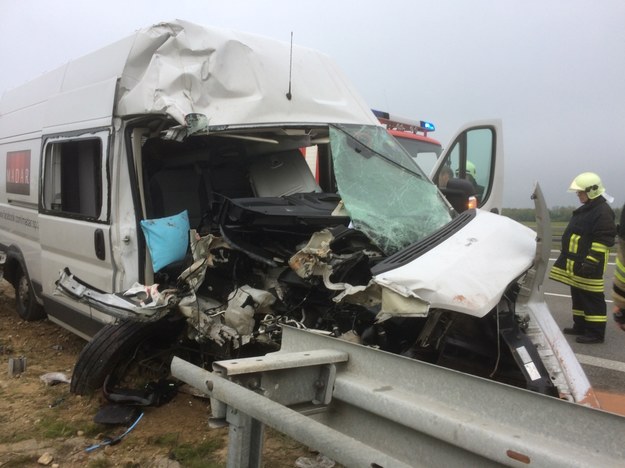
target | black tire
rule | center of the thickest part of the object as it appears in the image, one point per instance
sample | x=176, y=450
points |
x=112, y=350
x=26, y=304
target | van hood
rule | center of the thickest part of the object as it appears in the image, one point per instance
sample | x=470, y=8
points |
x=469, y=271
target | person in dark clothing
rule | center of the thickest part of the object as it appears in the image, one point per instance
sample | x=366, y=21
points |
x=581, y=264
x=618, y=285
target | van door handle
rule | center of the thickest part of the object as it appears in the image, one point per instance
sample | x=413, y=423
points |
x=98, y=241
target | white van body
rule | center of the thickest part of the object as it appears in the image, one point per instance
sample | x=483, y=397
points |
x=225, y=79
x=182, y=117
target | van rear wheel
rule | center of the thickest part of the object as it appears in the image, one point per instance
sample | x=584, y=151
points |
x=127, y=350
x=25, y=302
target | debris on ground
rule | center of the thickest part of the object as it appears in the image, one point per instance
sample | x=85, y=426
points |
x=320, y=461
x=53, y=378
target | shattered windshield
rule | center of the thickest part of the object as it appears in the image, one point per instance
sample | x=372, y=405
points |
x=386, y=194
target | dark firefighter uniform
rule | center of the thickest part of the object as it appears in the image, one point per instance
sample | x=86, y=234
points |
x=585, y=247
x=618, y=286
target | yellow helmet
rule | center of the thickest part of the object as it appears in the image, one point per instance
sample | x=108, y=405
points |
x=471, y=168
x=588, y=182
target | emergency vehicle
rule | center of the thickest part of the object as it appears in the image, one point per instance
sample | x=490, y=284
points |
x=413, y=136
x=461, y=185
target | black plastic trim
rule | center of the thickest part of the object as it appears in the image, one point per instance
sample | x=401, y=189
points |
x=71, y=317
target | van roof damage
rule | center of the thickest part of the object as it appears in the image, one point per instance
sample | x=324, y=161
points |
x=180, y=68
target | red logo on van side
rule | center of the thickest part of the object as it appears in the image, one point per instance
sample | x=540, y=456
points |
x=18, y=172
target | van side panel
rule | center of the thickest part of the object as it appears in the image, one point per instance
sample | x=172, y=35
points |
x=19, y=225
x=87, y=107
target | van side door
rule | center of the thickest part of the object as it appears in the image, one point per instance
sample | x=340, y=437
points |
x=476, y=154
x=74, y=222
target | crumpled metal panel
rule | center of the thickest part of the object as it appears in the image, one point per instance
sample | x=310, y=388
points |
x=461, y=273
x=139, y=302
x=179, y=68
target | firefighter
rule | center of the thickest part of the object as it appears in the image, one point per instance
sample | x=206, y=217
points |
x=581, y=264
x=618, y=286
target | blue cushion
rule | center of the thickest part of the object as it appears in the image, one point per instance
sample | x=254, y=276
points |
x=167, y=238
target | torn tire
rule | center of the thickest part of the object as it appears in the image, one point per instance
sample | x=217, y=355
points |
x=112, y=350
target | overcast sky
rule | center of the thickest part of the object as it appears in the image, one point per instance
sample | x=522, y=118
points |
x=552, y=70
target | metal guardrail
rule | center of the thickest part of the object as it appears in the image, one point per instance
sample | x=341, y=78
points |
x=367, y=408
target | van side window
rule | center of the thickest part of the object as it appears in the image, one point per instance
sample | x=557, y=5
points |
x=73, y=175
x=471, y=157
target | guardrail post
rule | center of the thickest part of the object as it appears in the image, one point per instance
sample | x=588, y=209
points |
x=245, y=447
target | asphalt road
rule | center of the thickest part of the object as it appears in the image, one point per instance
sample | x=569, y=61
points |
x=604, y=363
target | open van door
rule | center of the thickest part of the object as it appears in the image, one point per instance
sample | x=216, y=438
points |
x=476, y=154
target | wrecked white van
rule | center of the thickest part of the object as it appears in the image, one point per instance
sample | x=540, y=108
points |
x=156, y=202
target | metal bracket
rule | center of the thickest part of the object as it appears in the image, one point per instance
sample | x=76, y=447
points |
x=287, y=378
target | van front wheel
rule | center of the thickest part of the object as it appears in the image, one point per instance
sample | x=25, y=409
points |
x=25, y=302
x=125, y=352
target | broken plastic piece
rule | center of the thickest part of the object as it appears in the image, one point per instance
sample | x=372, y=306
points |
x=320, y=461
x=242, y=304
x=116, y=414
x=53, y=378
x=153, y=394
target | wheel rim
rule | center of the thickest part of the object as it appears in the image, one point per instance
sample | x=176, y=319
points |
x=23, y=292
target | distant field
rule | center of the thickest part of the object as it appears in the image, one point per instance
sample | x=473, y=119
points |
x=557, y=228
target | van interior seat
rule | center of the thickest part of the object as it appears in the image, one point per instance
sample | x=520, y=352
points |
x=280, y=174
x=175, y=189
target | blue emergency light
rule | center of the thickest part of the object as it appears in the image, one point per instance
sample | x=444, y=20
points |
x=427, y=126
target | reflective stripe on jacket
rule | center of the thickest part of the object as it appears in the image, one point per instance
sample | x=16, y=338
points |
x=586, y=243
x=618, y=286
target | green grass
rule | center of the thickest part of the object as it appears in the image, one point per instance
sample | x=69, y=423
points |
x=52, y=428
x=195, y=455
x=20, y=460
x=99, y=463
x=198, y=455
x=557, y=228
x=165, y=440
x=8, y=437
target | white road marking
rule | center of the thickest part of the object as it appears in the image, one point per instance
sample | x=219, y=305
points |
x=609, y=263
x=609, y=301
x=600, y=362
x=558, y=295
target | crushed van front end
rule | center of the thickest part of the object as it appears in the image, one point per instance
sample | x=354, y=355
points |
x=368, y=251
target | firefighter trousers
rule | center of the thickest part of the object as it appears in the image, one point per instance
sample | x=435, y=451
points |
x=589, y=312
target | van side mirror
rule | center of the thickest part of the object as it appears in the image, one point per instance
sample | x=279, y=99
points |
x=458, y=192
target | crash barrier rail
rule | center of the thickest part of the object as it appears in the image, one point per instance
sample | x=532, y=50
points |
x=367, y=408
